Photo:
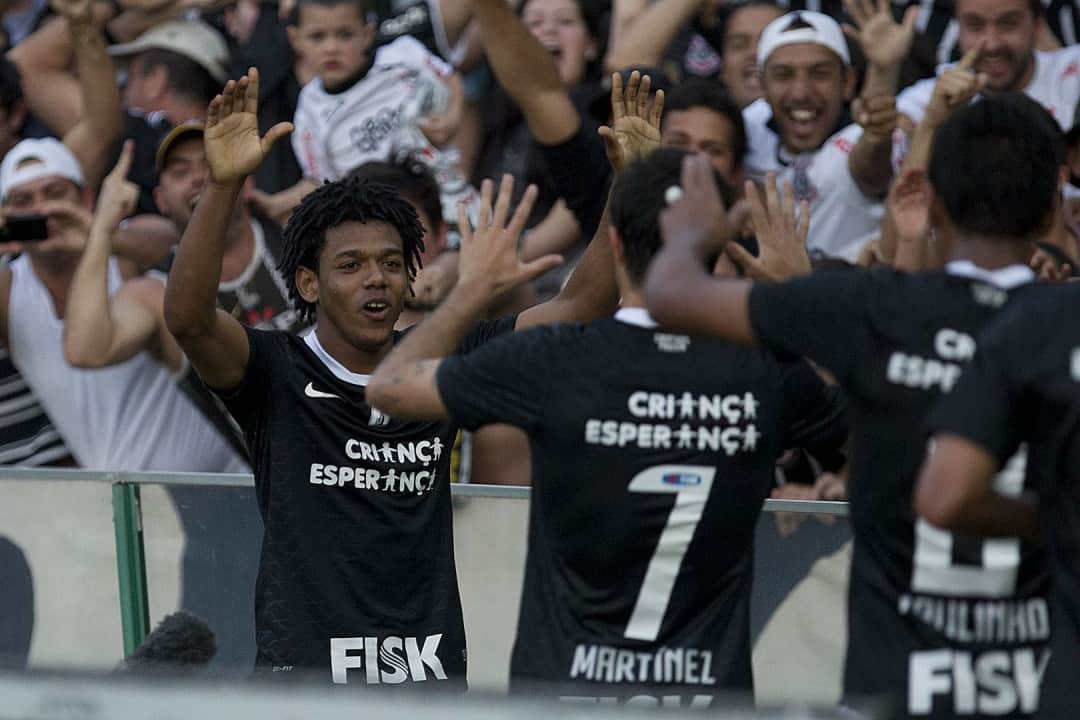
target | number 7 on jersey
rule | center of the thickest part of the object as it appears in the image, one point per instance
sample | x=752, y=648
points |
x=691, y=485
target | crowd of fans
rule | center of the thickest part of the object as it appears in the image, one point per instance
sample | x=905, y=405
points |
x=108, y=110
x=431, y=97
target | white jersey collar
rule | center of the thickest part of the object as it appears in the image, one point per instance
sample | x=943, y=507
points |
x=340, y=371
x=635, y=316
x=1005, y=278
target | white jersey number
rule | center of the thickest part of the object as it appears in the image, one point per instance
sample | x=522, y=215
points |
x=690, y=484
x=933, y=570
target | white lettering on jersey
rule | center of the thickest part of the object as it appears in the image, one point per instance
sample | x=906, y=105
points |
x=390, y=660
x=668, y=701
x=679, y=666
x=954, y=345
x=668, y=343
x=997, y=682
x=425, y=451
x=989, y=622
x=393, y=480
x=730, y=410
x=923, y=373
x=403, y=477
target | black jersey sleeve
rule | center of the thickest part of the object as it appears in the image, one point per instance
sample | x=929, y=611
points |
x=815, y=413
x=504, y=381
x=267, y=352
x=989, y=406
x=820, y=317
x=580, y=172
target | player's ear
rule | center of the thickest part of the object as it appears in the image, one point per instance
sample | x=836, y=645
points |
x=618, y=250
x=307, y=284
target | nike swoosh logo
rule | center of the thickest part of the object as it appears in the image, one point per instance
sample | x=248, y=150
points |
x=311, y=392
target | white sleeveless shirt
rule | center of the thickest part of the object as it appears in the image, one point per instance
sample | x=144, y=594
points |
x=128, y=417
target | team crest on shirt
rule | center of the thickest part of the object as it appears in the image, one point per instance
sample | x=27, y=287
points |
x=378, y=418
x=802, y=185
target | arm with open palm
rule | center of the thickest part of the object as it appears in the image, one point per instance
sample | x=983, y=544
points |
x=214, y=341
x=488, y=265
x=635, y=127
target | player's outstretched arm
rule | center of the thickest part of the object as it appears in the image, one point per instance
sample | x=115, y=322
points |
x=488, y=265
x=955, y=491
x=679, y=291
x=215, y=342
x=526, y=71
x=591, y=291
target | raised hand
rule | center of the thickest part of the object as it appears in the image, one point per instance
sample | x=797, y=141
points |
x=877, y=115
x=781, y=236
x=118, y=195
x=695, y=214
x=233, y=146
x=884, y=42
x=74, y=10
x=488, y=260
x=956, y=87
x=909, y=203
x=635, y=126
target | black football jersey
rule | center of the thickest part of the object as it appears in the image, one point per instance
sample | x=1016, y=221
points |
x=652, y=455
x=945, y=625
x=356, y=582
x=1024, y=387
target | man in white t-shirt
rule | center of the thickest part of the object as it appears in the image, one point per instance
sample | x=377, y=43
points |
x=1006, y=32
x=128, y=413
x=800, y=130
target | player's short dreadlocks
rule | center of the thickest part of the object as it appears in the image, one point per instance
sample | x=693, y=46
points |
x=348, y=200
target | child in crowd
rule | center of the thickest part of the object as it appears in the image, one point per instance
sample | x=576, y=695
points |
x=370, y=104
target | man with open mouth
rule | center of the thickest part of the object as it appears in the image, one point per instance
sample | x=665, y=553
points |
x=801, y=131
x=357, y=582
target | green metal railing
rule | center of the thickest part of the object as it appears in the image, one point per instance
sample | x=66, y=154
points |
x=127, y=521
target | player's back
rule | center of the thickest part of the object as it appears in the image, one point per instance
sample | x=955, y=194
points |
x=937, y=620
x=652, y=456
x=1025, y=387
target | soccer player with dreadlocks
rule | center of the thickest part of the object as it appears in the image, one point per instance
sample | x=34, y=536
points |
x=356, y=580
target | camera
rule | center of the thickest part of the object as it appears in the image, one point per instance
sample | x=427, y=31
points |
x=24, y=228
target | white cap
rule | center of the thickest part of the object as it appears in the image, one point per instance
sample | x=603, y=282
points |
x=802, y=26
x=32, y=160
x=193, y=39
